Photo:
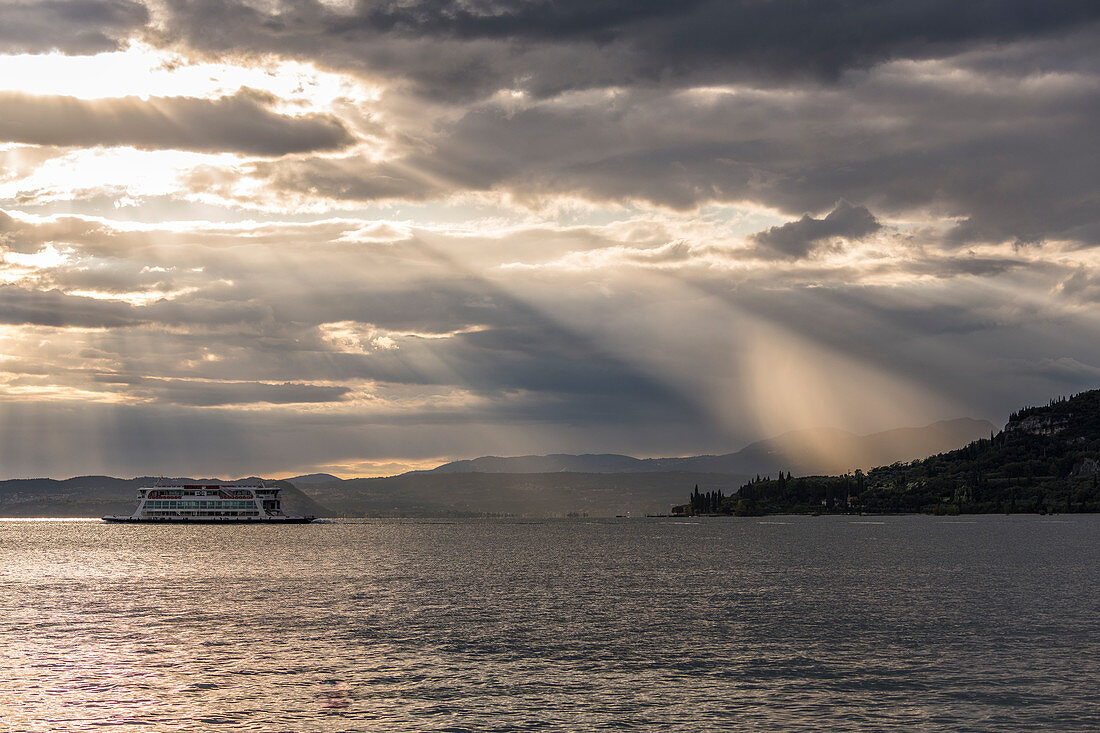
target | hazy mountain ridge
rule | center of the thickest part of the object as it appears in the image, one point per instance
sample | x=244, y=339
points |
x=533, y=494
x=815, y=450
x=551, y=463
x=312, y=479
x=603, y=484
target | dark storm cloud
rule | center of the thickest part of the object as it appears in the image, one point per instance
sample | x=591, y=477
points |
x=213, y=393
x=242, y=123
x=947, y=267
x=20, y=305
x=797, y=239
x=70, y=26
x=1007, y=157
x=599, y=20
x=1000, y=138
x=458, y=50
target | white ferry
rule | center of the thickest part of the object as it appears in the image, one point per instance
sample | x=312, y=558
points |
x=210, y=504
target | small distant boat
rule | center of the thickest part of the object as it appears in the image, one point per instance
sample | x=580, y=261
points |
x=209, y=504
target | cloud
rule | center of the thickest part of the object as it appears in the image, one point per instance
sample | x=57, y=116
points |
x=468, y=50
x=204, y=393
x=248, y=316
x=353, y=178
x=982, y=119
x=425, y=338
x=1082, y=285
x=70, y=26
x=798, y=239
x=531, y=226
x=242, y=123
x=19, y=305
x=1005, y=156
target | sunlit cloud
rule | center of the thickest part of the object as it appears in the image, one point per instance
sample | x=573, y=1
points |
x=116, y=172
x=48, y=256
x=144, y=71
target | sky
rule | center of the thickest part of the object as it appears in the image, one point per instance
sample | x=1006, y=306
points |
x=252, y=237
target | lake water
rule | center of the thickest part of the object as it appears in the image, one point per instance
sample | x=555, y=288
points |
x=776, y=623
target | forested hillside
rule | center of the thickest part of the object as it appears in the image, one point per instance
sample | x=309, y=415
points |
x=1047, y=459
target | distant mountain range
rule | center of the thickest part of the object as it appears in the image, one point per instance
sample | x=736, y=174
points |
x=314, y=479
x=594, y=484
x=818, y=450
x=608, y=484
x=431, y=494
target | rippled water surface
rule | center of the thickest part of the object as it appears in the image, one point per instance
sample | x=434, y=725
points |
x=803, y=623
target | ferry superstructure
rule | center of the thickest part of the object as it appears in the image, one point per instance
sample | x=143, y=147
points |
x=209, y=504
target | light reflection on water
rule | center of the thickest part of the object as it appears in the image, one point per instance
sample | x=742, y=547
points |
x=791, y=623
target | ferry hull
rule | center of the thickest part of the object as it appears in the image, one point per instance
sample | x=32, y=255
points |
x=209, y=520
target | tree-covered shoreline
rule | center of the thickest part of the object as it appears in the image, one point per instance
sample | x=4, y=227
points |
x=1046, y=460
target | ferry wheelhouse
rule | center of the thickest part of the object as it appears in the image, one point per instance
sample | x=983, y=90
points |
x=209, y=503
